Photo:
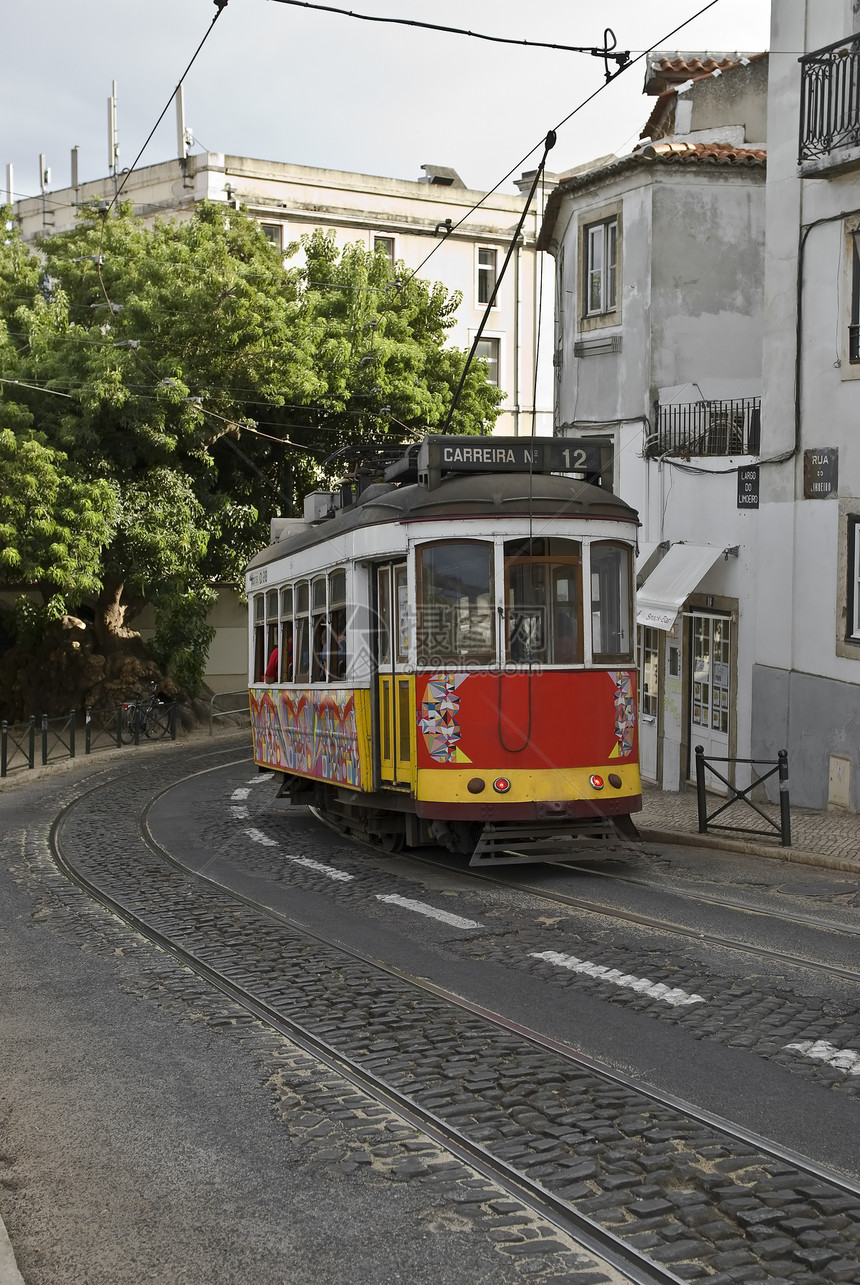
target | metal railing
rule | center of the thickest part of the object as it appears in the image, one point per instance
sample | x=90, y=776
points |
x=829, y=99
x=49, y=740
x=238, y=711
x=780, y=768
x=685, y=429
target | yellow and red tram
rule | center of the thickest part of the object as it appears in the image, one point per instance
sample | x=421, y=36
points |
x=454, y=653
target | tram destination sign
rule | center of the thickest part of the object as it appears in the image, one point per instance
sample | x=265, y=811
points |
x=589, y=456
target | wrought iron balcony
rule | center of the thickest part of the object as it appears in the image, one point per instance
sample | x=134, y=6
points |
x=686, y=429
x=830, y=101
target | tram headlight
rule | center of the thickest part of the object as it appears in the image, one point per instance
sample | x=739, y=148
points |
x=596, y=782
x=501, y=785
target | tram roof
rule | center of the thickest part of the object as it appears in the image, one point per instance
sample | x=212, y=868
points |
x=493, y=495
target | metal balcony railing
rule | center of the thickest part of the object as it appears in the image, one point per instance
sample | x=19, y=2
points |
x=686, y=429
x=830, y=99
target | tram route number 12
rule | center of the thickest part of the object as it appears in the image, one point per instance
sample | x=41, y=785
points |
x=575, y=456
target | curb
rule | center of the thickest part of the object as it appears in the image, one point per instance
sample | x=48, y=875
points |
x=793, y=855
x=9, y=1274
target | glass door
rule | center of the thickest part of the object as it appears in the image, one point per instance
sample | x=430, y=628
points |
x=710, y=703
x=396, y=700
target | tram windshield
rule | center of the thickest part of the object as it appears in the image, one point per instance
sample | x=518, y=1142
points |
x=611, y=602
x=456, y=621
x=543, y=596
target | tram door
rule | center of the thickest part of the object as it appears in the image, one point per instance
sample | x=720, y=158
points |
x=396, y=703
x=711, y=691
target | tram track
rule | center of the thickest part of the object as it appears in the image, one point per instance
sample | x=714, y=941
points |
x=593, y=1152
x=639, y=919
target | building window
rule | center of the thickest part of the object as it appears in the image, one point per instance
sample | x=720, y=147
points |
x=273, y=232
x=852, y=613
x=384, y=245
x=601, y=260
x=649, y=671
x=489, y=349
x=854, y=326
x=486, y=268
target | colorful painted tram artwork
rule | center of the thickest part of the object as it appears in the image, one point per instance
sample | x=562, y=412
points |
x=444, y=653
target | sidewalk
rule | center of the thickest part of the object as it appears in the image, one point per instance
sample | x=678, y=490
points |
x=829, y=838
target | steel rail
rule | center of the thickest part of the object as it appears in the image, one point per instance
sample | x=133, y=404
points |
x=587, y=1233
x=579, y=1060
x=676, y=929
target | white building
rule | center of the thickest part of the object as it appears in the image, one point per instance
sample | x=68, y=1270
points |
x=659, y=271
x=407, y=220
x=806, y=678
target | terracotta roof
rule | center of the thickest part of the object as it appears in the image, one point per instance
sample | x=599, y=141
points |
x=666, y=73
x=716, y=153
x=665, y=70
x=645, y=157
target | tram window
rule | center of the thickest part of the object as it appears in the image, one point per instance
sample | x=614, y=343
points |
x=337, y=625
x=286, y=650
x=259, y=637
x=402, y=603
x=319, y=626
x=456, y=619
x=543, y=593
x=384, y=612
x=271, y=624
x=301, y=631
x=611, y=602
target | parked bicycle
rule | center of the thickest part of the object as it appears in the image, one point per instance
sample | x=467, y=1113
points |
x=148, y=717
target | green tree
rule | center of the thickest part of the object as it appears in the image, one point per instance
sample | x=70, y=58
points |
x=169, y=388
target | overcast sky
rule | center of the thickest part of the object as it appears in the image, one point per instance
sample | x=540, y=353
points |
x=283, y=83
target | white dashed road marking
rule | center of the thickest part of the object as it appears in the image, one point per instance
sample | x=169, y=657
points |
x=657, y=990
x=420, y=908
x=259, y=837
x=238, y=795
x=323, y=870
x=847, y=1060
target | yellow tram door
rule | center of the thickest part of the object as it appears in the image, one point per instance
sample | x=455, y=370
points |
x=396, y=696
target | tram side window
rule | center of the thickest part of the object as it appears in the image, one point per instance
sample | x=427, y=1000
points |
x=611, y=603
x=456, y=618
x=301, y=628
x=319, y=627
x=337, y=626
x=543, y=593
x=259, y=637
x=286, y=635
x=271, y=675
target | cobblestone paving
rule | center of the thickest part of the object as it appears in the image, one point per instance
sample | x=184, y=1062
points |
x=681, y=1191
x=333, y=1125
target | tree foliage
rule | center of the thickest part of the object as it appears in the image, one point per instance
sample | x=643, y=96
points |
x=167, y=389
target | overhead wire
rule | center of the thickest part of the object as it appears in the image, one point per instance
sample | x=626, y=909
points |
x=609, y=80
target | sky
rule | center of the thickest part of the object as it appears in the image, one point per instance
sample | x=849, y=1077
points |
x=284, y=83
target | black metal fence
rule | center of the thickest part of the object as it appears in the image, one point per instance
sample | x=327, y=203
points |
x=780, y=768
x=43, y=740
x=685, y=429
x=829, y=99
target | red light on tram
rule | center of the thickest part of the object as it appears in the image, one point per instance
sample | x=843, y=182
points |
x=596, y=782
x=501, y=785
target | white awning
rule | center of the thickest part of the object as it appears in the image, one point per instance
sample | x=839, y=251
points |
x=671, y=583
x=646, y=548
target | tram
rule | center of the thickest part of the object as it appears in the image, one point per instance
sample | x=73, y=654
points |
x=445, y=655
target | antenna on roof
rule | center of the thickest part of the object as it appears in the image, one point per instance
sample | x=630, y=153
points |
x=181, y=139
x=113, y=137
